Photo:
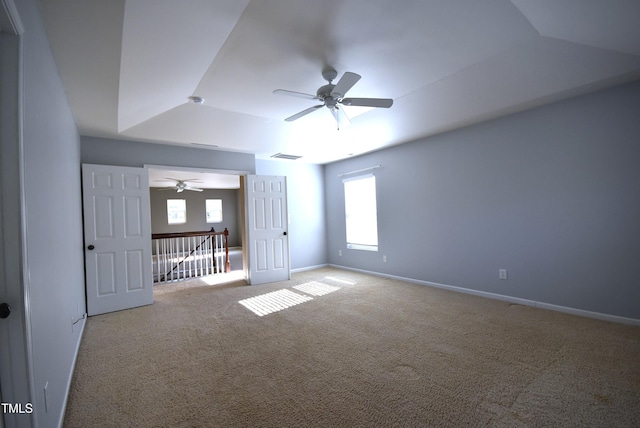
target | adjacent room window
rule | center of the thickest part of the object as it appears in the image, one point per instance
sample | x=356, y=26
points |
x=361, y=212
x=176, y=211
x=214, y=210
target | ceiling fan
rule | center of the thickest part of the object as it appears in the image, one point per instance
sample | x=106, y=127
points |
x=333, y=96
x=182, y=185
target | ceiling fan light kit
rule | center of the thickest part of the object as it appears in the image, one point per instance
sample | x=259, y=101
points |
x=332, y=96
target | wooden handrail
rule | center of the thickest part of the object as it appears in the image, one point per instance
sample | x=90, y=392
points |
x=185, y=234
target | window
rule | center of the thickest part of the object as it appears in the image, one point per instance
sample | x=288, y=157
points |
x=214, y=210
x=176, y=211
x=361, y=213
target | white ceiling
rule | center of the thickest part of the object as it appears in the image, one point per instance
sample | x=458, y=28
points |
x=130, y=66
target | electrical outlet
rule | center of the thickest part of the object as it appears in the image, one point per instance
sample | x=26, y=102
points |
x=502, y=274
x=384, y=259
x=340, y=253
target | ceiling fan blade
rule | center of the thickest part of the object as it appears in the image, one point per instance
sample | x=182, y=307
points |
x=303, y=113
x=296, y=94
x=368, y=102
x=195, y=189
x=345, y=83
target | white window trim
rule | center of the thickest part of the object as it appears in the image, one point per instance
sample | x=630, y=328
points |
x=357, y=246
x=206, y=211
x=185, y=212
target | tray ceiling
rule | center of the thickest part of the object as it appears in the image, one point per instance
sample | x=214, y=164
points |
x=129, y=67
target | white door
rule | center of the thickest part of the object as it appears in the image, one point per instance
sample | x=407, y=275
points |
x=266, y=205
x=117, y=234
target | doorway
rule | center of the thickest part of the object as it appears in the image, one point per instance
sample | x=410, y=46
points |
x=263, y=231
x=195, y=188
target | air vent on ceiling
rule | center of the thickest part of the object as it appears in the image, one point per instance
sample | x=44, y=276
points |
x=285, y=156
x=196, y=99
x=205, y=145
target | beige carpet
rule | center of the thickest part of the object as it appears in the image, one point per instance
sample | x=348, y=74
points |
x=368, y=352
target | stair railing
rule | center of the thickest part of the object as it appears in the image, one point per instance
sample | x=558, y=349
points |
x=184, y=255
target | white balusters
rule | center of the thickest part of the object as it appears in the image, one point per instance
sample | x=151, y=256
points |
x=189, y=255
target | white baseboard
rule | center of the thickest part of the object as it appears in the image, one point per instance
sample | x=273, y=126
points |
x=73, y=369
x=308, y=268
x=520, y=301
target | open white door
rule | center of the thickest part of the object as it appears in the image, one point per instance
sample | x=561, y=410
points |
x=266, y=205
x=117, y=234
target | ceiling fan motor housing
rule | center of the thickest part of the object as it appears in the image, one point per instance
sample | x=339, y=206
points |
x=324, y=92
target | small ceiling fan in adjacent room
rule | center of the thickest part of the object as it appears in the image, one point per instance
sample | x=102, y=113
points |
x=182, y=185
x=333, y=97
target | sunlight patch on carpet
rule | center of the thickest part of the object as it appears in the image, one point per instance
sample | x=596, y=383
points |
x=273, y=302
x=221, y=278
x=316, y=288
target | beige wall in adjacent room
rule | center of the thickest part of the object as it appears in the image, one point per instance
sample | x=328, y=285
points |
x=196, y=219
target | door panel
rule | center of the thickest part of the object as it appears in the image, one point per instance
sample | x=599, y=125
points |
x=135, y=270
x=117, y=238
x=266, y=200
x=261, y=255
x=103, y=209
x=105, y=273
x=278, y=254
x=132, y=217
x=276, y=214
x=260, y=214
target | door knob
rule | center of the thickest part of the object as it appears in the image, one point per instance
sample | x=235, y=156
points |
x=285, y=233
x=90, y=247
x=5, y=310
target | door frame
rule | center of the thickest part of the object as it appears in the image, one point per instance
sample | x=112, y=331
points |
x=241, y=174
x=16, y=354
x=246, y=260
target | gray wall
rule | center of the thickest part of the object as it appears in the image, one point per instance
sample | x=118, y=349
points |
x=550, y=194
x=196, y=218
x=105, y=151
x=304, y=183
x=53, y=219
x=305, y=197
x=136, y=154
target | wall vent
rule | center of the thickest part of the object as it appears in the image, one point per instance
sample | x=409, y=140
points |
x=285, y=156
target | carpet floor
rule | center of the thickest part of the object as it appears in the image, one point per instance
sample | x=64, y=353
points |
x=335, y=348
